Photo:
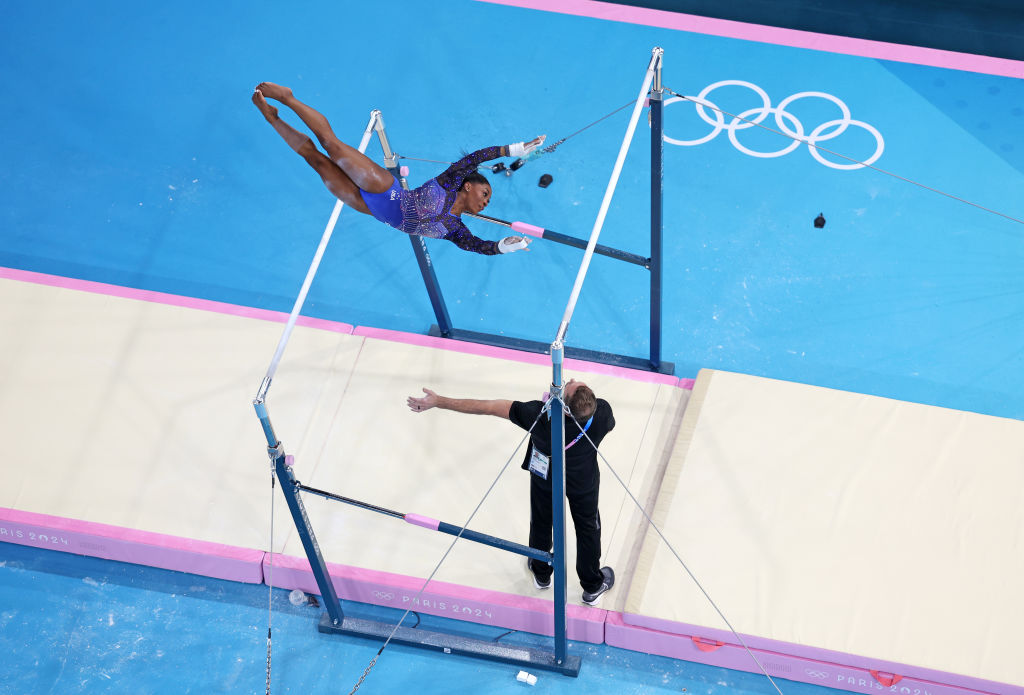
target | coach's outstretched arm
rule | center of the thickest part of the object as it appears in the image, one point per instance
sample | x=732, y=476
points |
x=497, y=407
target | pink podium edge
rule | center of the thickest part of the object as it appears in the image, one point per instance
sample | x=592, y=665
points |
x=128, y=545
x=790, y=661
x=169, y=299
x=495, y=608
x=793, y=38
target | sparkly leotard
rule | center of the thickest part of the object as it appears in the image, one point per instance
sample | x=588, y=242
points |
x=426, y=211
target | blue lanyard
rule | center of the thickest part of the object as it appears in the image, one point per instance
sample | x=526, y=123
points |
x=580, y=435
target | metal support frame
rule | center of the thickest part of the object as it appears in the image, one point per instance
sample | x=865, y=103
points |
x=558, y=497
x=331, y=602
x=656, y=100
x=525, y=657
x=334, y=620
x=557, y=350
x=653, y=362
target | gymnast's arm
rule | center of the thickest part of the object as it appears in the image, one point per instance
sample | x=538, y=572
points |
x=496, y=407
x=460, y=235
x=452, y=177
x=463, y=238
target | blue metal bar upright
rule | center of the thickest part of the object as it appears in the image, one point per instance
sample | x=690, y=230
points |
x=419, y=246
x=558, y=499
x=654, y=360
x=335, y=622
x=298, y=511
x=656, y=101
x=316, y=559
x=444, y=321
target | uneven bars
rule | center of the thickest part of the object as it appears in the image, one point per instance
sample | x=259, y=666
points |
x=656, y=54
x=549, y=235
x=434, y=525
x=301, y=299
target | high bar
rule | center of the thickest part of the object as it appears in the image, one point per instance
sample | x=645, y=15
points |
x=654, y=65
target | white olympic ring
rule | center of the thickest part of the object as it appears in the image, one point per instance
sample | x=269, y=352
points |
x=764, y=112
x=789, y=124
x=816, y=674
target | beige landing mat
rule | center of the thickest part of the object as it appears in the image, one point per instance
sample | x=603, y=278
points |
x=138, y=415
x=441, y=464
x=845, y=522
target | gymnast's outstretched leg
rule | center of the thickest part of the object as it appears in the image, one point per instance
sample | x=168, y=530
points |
x=363, y=171
x=337, y=182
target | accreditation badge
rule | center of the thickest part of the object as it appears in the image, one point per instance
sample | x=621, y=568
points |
x=539, y=463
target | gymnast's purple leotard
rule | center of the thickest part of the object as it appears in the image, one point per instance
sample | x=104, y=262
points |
x=426, y=211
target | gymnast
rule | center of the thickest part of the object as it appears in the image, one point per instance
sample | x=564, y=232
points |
x=432, y=210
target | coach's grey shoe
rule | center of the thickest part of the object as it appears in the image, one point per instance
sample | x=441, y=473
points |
x=592, y=599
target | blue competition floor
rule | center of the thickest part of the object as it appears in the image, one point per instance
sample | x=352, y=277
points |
x=136, y=158
x=133, y=156
x=128, y=629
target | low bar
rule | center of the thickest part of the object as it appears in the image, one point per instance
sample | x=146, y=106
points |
x=477, y=537
x=435, y=525
x=565, y=239
x=600, y=249
x=348, y=500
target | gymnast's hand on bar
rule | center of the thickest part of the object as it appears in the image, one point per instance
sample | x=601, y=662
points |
x=513, y=243
x=418, y=405
x=521, y=149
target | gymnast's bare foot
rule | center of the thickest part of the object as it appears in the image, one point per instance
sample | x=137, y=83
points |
x=274, y=91
x=269, y=112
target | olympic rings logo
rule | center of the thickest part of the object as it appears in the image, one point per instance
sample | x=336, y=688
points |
x=786, y=122
x=816, y=674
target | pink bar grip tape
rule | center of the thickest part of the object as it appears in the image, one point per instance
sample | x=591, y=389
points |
x=424, y=521
x=524, y=228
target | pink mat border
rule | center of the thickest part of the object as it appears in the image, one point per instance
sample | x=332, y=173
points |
x=517, y=356
x=334, y=326
x=226, y=562
x=784, y=37
x=791, y=661
x=646, y=634
x=649, y=635
x=129, y=545
x=495, y=608
x=169, y=299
